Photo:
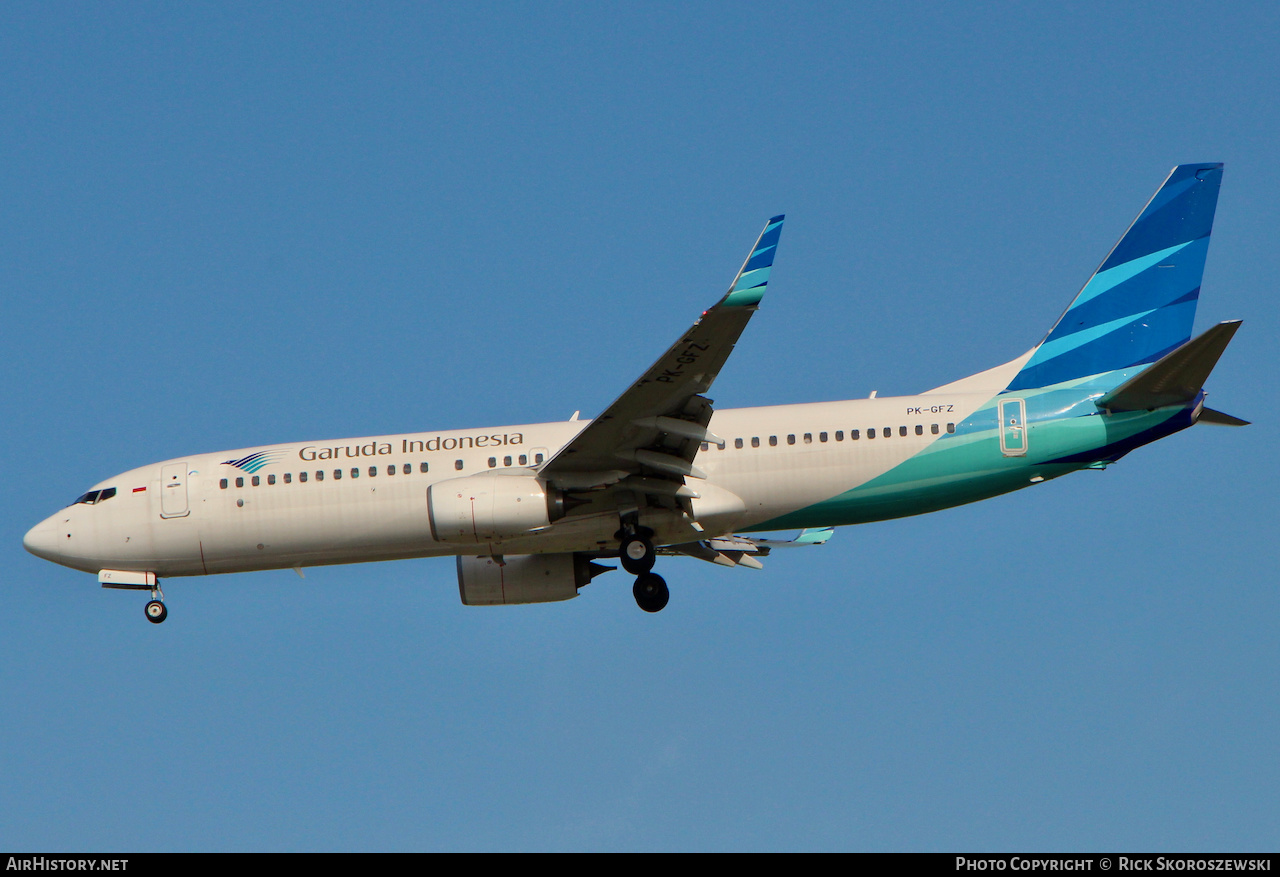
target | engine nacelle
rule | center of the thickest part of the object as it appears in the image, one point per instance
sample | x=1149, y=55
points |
x=524, y=578
x=489, y=508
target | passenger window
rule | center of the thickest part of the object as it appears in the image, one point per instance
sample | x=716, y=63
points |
x=822, y=436
x=506, y=461
x=255, y=482
x=791, y=439
x=808, y=438
x=223, y=484
x=871, y=433
x=373, y=471
x=337, y=474
x=839, y=435
x=755, y=441
x=919, y=429
x=524, y=459
x=457, y=464
x=951, y=427
x=422, y=467
x=934, y=429
x=319, y=475
x=887, y=432
x=239, y=482
x=493, y=462
x=271, y=479
x=288, y=478
x=537, y=458
x=773, y=441
x=737, y=443
x=706, y=446
x=391, y=470
x=302, y=477
x=853, y=435
x=902, y=430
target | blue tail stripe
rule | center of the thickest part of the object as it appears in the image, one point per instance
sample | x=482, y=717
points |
x=1141, y=340
x=1142, y=300
x=1105, y=281
x=1161, y=285
x=1186, y=217
x=1066, y=343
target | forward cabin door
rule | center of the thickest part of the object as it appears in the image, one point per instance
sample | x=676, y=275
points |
x=1013, y=427
x=173, y=490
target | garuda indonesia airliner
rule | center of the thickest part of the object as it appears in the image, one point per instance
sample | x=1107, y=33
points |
x=531, y=511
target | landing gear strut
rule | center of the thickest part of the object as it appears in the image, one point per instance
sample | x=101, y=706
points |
x=155, y=610
x=636, y=551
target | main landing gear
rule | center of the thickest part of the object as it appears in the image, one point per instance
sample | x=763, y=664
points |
x=650, y=591
x=637, y=554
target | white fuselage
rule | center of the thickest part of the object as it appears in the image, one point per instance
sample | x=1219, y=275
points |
x=355, y=500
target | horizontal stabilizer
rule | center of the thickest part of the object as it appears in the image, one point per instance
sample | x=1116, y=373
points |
x=744, y=550
x=1176, y=378
x=1220, y=418
x=811, y=536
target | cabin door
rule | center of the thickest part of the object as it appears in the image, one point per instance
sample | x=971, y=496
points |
x=1013, y=427
x=173, y=490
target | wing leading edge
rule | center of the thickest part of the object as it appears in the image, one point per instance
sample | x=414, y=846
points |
x=650, y=435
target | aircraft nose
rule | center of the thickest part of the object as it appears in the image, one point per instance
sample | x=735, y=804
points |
x=42, y=540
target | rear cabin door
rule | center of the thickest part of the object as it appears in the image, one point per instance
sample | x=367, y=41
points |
x=173, y=490
x=1013, y=427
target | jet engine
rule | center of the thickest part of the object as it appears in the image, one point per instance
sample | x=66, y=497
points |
x=490, y=507
x=524, y=578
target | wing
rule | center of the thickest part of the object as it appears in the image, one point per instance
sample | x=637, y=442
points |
x=651, y=434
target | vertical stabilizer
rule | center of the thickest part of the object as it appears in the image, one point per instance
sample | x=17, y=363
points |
x=1140, y=303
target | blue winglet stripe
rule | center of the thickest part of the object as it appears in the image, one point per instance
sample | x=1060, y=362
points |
x=748, y=287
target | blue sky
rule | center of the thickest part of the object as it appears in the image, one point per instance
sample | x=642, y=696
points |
x=224, y=225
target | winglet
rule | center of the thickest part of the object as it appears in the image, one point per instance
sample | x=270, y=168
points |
x=748, y=287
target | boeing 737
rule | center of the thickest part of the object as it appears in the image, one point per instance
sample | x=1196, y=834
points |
x=529, y=511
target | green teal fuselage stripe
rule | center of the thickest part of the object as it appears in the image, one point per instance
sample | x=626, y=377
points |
x=969, y=465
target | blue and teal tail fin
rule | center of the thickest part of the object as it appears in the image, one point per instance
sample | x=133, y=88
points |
x=1141, y=302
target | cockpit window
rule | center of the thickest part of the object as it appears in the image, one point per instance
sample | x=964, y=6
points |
x=94, y=497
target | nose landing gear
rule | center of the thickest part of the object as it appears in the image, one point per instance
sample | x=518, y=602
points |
x=155, y=609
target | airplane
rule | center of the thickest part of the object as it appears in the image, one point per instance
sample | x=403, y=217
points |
x=529, y=511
